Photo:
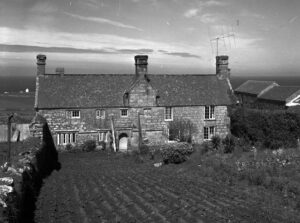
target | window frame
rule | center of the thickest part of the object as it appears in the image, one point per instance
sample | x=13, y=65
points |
x=121, y=112
x=209, y=112
x=166, y=115
x=209, y=132
x=100, y=114
x=72, y=114
x=64, y=138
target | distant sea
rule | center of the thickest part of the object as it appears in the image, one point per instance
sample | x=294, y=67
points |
x=17, y=84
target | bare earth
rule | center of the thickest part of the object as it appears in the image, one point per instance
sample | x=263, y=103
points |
x=96, y=187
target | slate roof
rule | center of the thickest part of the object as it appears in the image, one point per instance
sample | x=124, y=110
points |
x=279, y=93
x=107, y=90
x=254, y=87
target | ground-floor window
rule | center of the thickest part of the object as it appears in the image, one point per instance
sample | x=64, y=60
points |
x=103, y=136
x=209, y=132
x=64, y=138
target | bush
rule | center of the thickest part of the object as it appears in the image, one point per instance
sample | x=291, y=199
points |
x=176, y=153
x=68, y=147
x=216, y=142
x=88, y=146
x=272, y=129
x=229, y=144
x=144, y=149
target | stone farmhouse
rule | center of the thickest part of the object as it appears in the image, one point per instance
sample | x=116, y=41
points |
x=79, y=107
x=267, y=95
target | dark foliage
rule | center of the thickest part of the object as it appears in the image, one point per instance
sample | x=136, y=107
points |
x=182, y=130
x=47, y=156
x=272, y=129
x=88, y=146
x=144, y=149
x=176, y=153
x=216, y=142
x=229, y=144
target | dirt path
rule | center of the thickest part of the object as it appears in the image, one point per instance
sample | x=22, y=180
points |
x=93, y=187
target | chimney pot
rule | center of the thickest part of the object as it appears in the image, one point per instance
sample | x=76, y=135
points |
x=141, y=65
x=41, y=64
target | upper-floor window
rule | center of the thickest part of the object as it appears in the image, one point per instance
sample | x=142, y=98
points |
x=100, y=114
x=209, y=132
x=210, y=112
x=75, y=114
x=168, y=114
x=124, y=112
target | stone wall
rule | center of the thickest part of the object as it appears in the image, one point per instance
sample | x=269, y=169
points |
x=154, y=127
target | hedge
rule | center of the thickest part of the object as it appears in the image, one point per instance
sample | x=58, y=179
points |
x=271, y=129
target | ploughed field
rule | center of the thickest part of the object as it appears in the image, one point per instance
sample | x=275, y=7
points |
x=97, y=187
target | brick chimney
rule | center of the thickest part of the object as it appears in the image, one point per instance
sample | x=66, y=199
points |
x=41, y=64
x=60, y=71
x=222, y=70
x=141, y=63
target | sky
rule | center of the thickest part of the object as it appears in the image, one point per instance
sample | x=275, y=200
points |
x=261, y=37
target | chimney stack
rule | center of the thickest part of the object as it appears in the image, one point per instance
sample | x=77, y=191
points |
x=141, y=63
x=60, y=71
x=41, y=64
x=222, y=70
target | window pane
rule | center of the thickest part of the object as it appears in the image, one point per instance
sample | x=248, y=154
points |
x=212, y=130
x=168, y=113
x=205, y=133
x=206, y=112
x=123, y=112
x=212, y=112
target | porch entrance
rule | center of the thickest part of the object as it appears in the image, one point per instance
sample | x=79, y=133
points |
x=123, y=142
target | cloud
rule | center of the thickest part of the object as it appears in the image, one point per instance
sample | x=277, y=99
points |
x=102, y=21
x=191, y=13
x=180, y=54
x=85, y=43
x=208, y=18
x=36, y=49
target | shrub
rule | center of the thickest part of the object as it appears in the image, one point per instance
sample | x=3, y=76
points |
x=68, y=147
x=88, y=146
x=272, y=129
x=176, y=153
x=206, y=147
x=144, y=149
x=182, y=130
x=216, y=142
x=229, y=144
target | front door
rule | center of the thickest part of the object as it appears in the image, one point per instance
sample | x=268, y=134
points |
x=123, y=144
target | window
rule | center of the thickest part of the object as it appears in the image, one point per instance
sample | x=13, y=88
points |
x=210, y=112
x=75, y=114
x=100, y=114
x=124, y=112
x=209, y=132
x=147, y=112
x=168, y=114
x=102, y=136
x=64, y=138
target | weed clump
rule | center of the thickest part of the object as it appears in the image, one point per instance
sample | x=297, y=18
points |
x=88, y=146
